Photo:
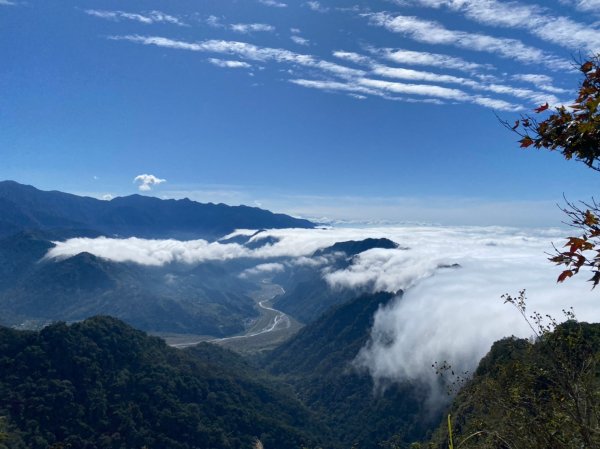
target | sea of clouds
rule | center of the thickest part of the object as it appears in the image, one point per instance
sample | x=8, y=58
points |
x=446, y=313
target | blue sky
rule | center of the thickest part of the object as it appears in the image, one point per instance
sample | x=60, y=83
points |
x=379, y=110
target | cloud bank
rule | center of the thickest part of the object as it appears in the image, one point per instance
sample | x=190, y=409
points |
x=452, y=277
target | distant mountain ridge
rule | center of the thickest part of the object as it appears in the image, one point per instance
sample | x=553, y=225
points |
x=24, y=207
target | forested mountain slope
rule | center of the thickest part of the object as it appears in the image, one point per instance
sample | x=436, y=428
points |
x=318, y=363
x=103, y=384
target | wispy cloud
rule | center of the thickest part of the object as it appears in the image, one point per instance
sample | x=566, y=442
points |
x=228, y=64
x=389, y=90
x=273, y=3
x=417, y=75
x=543, y=82
x=353, y=57
x=355, y=81
x=338, y=86
x=299, y=40
x=262, y=269
x=535, y=19
x=214, y=21
x=246, y=51
x=145, y=182
x=423, y=58
x=431, y=32
x=148, y=18
x=317, y=6
x=251, y=27
x=437, y=78
x=426, y=90
x=584, y=5
x=7, y=3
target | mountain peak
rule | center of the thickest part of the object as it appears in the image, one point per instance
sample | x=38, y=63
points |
x=354, y=247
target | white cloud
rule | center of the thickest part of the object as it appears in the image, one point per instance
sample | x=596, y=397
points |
x=334, y=86
x=359, y=82
x=7, y=3
x=262, y=269
x=455, y=314
x=245, y=28
x=273, y=3
x=148, y=252
x=447, y=313
x=437, y=78
x=317, y=6
x=299, y=40
x=353, y=57
x=146, y=182
x=435, y=33
x=535, y=19
x=543, y=82
x=244, y=50
x=107, y=197
x=410, y=57
x=214, y=22
x=387, y=89
x=584, y=5
x=415, y=89
x=147, y=18
x=229, y=64
x=497, y=104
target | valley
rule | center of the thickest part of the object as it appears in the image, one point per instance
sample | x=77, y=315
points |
x=271, y=328
x=294, y=337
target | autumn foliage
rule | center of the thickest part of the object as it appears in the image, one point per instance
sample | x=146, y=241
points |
x=574, y=131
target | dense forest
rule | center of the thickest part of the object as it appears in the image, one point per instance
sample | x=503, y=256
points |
x=318, y=362
x=103, y=384
x=116, y=387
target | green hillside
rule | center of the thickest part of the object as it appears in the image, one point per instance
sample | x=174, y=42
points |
x=103, y=384
x=317, y=362
x=539, y=395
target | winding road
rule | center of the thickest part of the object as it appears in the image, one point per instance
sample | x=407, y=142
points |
x=271, y=322
x=276, y=320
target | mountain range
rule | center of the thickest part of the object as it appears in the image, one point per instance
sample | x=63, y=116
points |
x=210, y=298
x=24, y=207
x=73, y=377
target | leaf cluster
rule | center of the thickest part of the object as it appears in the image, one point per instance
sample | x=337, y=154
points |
x=573, y=130
x=582, y=250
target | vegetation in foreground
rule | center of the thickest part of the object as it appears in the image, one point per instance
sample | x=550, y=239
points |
x=102, y=384
x=532, y=395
